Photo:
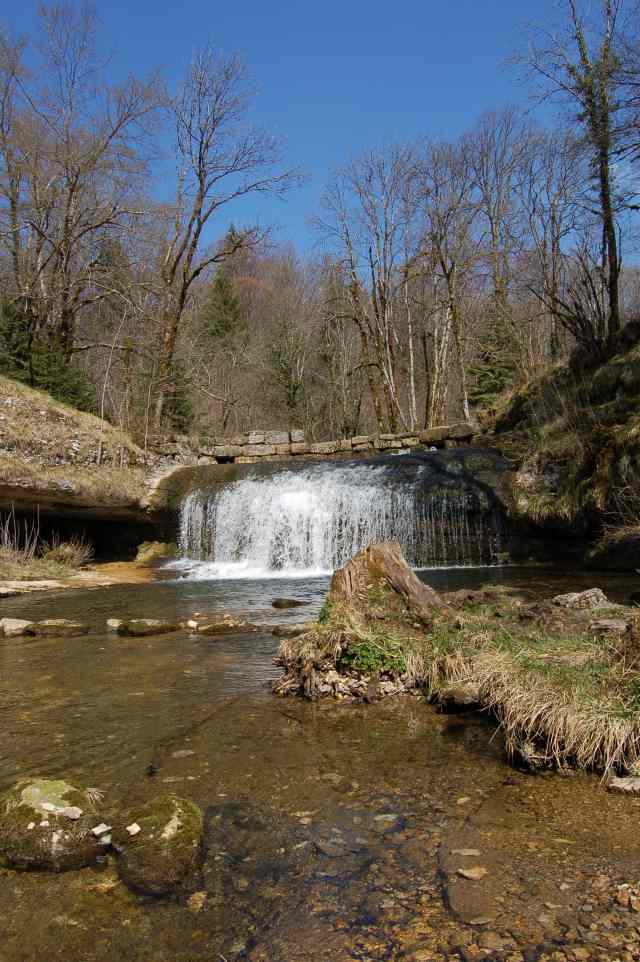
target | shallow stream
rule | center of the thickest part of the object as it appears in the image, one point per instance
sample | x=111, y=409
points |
x=326, y=823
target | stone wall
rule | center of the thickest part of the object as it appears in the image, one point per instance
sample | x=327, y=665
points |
x=283, y=445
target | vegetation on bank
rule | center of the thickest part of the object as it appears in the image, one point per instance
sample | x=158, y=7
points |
x=563, y=683
x=24, y=556
x=574, y=432
x=58, y=451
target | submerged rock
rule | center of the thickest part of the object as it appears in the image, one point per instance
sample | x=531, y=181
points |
x=163, y=854
x=287, y=603
x=291, y=631
x=47, y=824
x=141, y=627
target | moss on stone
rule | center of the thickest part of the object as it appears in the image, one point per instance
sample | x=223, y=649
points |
x=164, y=856
x=36, y=833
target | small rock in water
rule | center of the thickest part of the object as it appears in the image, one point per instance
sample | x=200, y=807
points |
x=467, y=852
x=133, y=829
x=474, y=874
x=463, y=800
x=287, y=603
x=113, y=625
x=72, y=812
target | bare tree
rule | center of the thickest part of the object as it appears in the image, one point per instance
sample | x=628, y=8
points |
x=220, y=158
x=368, y=213
x=581, y=64
x=71, y=154
x=449, y=209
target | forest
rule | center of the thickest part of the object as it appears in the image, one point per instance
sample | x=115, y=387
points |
x=442, y=275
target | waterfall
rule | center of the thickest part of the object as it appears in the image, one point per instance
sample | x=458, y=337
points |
x=311, y=521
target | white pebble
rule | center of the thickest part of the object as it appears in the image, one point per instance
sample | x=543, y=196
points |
x=101, y=829
x=105, y=840
x=71, y=812
x=44, y=824
x=31, y=825
x=133, y=829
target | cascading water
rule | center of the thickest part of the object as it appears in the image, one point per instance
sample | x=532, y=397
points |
x=311, y=521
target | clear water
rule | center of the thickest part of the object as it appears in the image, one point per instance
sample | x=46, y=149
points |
x=301, y=865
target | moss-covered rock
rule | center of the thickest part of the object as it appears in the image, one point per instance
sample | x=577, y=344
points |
x=163, y=856
x=152, y=553
x=47, y=824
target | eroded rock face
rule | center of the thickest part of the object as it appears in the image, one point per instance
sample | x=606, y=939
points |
x=163, y=854
x=47, y=824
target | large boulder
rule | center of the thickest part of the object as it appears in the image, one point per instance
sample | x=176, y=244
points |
x=159, y=845
x=47, y=824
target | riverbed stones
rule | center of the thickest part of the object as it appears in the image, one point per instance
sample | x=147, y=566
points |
x=164, y=855
x=141, y=627
x=47, y=824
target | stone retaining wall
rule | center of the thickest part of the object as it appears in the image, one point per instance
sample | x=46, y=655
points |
x=282, y=445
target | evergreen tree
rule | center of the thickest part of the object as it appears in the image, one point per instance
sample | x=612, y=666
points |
x=495, y=369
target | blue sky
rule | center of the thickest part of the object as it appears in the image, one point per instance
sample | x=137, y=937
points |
x=334, y=77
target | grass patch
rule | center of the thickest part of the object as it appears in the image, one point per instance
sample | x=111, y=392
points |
x=545, y=675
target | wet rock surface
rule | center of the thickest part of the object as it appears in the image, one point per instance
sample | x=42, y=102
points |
x=141, y=627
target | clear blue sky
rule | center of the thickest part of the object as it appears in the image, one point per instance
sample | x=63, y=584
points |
x=334, y=76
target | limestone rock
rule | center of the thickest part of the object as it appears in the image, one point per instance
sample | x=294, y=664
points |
x=165, y=854
x=141, y=627
x=15, y=627
x=40, y=826
x=591, y=598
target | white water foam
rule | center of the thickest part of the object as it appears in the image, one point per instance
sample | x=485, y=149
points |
x=307, y=523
